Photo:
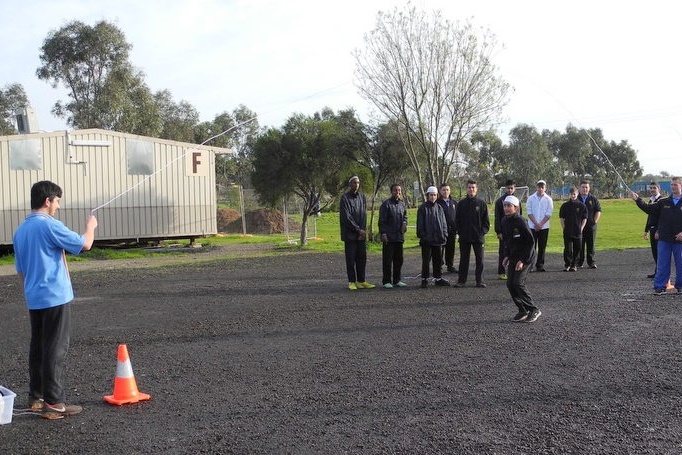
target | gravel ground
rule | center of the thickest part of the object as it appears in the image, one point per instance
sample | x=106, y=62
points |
x=274, y=355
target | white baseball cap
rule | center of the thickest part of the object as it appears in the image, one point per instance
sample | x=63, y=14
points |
x=432, y=189
x=513, y=200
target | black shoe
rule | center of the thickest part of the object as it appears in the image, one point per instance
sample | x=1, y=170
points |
x=533, y=315
x=660, y=291
x=480, y=284
x=520, y=316
x=459, y=284
x=451, y=269
x=442, y=282
x=567, y=269
x=425, y=283
x=652, y=275
x=573, y=269
x=593, y=266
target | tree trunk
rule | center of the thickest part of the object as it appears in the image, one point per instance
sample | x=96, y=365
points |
x=304, y=229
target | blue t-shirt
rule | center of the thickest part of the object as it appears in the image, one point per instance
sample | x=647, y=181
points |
x=39, y=245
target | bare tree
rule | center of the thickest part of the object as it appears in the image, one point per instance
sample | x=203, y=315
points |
x=436, y=80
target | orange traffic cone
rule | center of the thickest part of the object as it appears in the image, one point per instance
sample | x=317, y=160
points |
x=125, y=387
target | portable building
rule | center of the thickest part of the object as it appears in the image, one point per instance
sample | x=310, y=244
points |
x=138, y=187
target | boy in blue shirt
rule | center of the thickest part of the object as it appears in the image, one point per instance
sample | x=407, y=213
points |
x=40, y=244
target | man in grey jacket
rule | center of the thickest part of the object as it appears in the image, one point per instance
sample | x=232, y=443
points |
x=432, y=231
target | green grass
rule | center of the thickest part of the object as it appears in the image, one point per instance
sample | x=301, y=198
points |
x=621, y=226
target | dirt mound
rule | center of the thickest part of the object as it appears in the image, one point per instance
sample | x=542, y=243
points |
x=261, y=221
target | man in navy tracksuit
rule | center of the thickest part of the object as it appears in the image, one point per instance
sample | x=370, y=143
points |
x=667, y=217
x=519, y=257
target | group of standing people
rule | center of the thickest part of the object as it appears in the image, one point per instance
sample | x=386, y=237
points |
x=441, y=220
x=579, y=217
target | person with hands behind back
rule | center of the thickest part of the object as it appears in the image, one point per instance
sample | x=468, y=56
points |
x=353, y=220
x=392, y=226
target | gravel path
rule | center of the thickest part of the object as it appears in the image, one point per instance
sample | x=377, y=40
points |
x=274, y=355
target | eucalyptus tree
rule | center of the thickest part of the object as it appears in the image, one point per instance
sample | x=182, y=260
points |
x=574, y=151
x=615, y=165
x=380, y=151
x=178, y=119
x=529, y=157
x=481, y=155
x=104, y=89
x=307, y=158
x=12, y=98
x=436, y=80
x=237, y=130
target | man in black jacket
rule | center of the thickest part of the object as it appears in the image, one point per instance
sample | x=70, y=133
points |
x=573, y=217
x=392, y=227
x=510, y=189
x=353, y=220
x=432, y=231
x=649, y=227
x=519, y=257
x=473, y=224
x=590, y=231
x=449, y=206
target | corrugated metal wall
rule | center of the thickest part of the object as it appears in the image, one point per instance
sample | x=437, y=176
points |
x=175, y=198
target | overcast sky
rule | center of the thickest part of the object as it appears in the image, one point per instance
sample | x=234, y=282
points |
x=595, y=64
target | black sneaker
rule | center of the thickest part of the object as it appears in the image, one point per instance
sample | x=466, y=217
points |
x=660, y=291
x=442, y=282
x=533, y=315
x=451, y=269
x=567, y=269
x=573, y=269
x=459, y=284
x=59, y=410
x=425, y=283
x=520, y=316
x=480, y=284
x=593, y=266
x=651, y=275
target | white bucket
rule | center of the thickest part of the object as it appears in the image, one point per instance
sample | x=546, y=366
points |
x=6, y=405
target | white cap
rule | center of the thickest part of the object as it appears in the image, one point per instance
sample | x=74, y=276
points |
x=513, y=200
x=432, y=189
x=541, y=182
x=355, y=177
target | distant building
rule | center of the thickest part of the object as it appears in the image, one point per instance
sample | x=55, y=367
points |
x=642, y=186
x=143, y=188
